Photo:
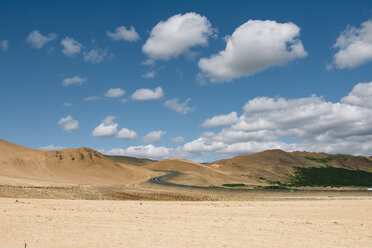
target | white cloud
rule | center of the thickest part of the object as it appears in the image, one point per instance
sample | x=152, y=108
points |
x=148, y=94
x=252, y=147
x=67, y=104
x=92, y=98
x=355, y=47
x=360, y=95
x=150, y=74
x=95, y=56
x=181, y=108
x=311, y=124
x=107, y=129
x=70, y=46
x=153, y=137
x=177, y=35
x=221, y=120
x=203, y=144
x=73, y=80
x=4, y=45
x=114, y=93
x=122, y=33
x=127, y=134
x=68, y=124
x=253, y=47
x=37, y=40
x=52, y=148
x=178, y=139
x=148, y=151
x=148, y=62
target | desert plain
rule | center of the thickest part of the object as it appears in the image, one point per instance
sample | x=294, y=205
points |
x=91, y=223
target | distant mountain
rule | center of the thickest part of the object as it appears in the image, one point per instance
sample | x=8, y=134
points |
x=131, y=160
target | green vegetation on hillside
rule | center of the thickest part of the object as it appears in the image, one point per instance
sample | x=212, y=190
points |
x=274, y=187
x=326, y=160
x=329, y=176
x=234, y=185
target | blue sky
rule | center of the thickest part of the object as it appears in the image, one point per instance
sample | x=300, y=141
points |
x=296, y=76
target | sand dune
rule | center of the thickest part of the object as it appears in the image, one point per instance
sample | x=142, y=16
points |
x=21, y=165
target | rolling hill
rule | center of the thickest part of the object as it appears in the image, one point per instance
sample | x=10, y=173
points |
x=193, y=173
x=25, y=166
x=131, y=160
x=22, y=165
x=277, y=165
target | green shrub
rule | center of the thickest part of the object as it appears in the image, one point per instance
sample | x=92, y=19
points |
x=234, y=185
x=326, y=160
x=329, y=176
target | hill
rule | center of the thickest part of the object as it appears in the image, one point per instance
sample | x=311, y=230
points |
x=22, y=165
x=193, y=173
x=277, y=165
x=131, y=160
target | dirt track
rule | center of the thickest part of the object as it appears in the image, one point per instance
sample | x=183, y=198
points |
x=81, y=223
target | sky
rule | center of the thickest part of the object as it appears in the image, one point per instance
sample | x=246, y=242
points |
x=202, y=80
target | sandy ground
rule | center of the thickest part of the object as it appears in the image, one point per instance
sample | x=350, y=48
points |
x=84, y=223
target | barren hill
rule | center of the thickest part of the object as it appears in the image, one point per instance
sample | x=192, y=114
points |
x=131, y=160
x=21, y=165
x=193, y=173
x=276, y=165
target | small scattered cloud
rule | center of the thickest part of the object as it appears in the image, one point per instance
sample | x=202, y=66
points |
x=107, y=129
x=253, y=47
x=148, y=62
x=4, y=45
x=221, y=120
x=92, y=98
x=68, y=124
x=153, y=137
x=70, y=46
x=95, y=56
x=178, y=139
x=175, y=36
x=52, y=148
x=67, y=104
x=354, y=47
x=150, y=74
x=122, y=33
x=51, y=50
x=37, y=40
x=181, y=108
x=73, y=80
x=125, y=133
x=114, y=93
x=148, y=94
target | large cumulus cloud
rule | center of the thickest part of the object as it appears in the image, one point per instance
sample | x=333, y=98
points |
x=253, y=47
